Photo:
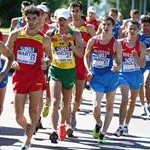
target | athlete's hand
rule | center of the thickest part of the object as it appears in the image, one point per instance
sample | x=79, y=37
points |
x=65, y=39
x=89, y=76
x=44, y=64
x=115, y=68
x=134, y=54
x=15, y=65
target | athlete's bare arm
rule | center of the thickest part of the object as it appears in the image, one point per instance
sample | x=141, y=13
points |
x=8, y=56
x=13, y=23
x=10, y=43
x=140, y=59
x=118, y=56
x=87, y=57
x=91, y=30
x=47, y=49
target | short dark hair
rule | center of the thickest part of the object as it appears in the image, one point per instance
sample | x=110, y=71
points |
x=113, y=10
x=25, y=3
x=76, y=4
x=135, y=23
x=145, y=18
x=106, y=18
x=31, y=10
x=134, y=11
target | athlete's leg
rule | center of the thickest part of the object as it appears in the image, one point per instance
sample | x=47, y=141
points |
x=19, y=104
x=65, y=104
x=34, y=102
x=56, y=88
x=2, y=97
x=97, y=97
x=109, y=110
x=131, y=107
x=124, y=104
x=79, y=87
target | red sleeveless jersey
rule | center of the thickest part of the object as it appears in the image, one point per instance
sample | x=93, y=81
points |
x=127, y=49
x=97, y=46
x=28, y=50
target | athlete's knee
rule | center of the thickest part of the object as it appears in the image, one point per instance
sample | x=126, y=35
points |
x=55, y=103
x=96, y=110
x=19, y=119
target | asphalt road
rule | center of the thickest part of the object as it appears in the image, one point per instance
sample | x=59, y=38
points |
x=138, y=138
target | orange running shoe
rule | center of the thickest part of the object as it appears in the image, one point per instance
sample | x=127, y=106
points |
x=62, y=132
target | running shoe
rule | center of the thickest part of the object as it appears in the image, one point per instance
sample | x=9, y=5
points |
x=73, y=121
x=125, y=131
x=143, y=111
x=38, y=126
x=119, y=132
x=25, y=147
x=45, y=111
x=101, y=139
x=54, y=137
x=96, y=131
x=69, y=131
x=62, y=132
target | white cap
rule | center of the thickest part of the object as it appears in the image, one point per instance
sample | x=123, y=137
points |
x=92, y=9
x=43, y=8
x=63, y=13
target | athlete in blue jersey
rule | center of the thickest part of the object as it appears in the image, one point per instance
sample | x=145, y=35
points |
x=5, y=64
x=130, y=76
x=145, y=38
x=103, y=74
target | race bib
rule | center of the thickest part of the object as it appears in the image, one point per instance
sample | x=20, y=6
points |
x=130, y=65
x=63, y=54
x=100, y=60
x=147, y=56
x=27, y=55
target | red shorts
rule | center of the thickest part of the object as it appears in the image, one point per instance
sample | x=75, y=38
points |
x=25, y=82
x=81, y=73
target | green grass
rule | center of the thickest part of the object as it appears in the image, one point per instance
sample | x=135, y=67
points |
x=4, y=30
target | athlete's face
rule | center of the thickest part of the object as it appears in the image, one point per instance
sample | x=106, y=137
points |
x=32, y=21
x=91, y=15
x=62, y=22
x=132, y=30
x=75, y=13
x=145, y=26
x=107, y=26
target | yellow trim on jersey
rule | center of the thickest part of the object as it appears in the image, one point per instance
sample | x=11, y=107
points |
x=62, y=56
x=81, y=29
x=23, y=35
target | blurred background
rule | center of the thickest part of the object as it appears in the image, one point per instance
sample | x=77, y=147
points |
x=11, y=8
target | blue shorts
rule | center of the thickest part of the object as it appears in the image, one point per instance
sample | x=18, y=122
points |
x=105, y=83
x=4, y=82
x=134, y=80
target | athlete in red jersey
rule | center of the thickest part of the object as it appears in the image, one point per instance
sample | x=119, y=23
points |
x=44, y=27
x=91, y=17
x=28, y=46
x=86, y=31
x=106, y=56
